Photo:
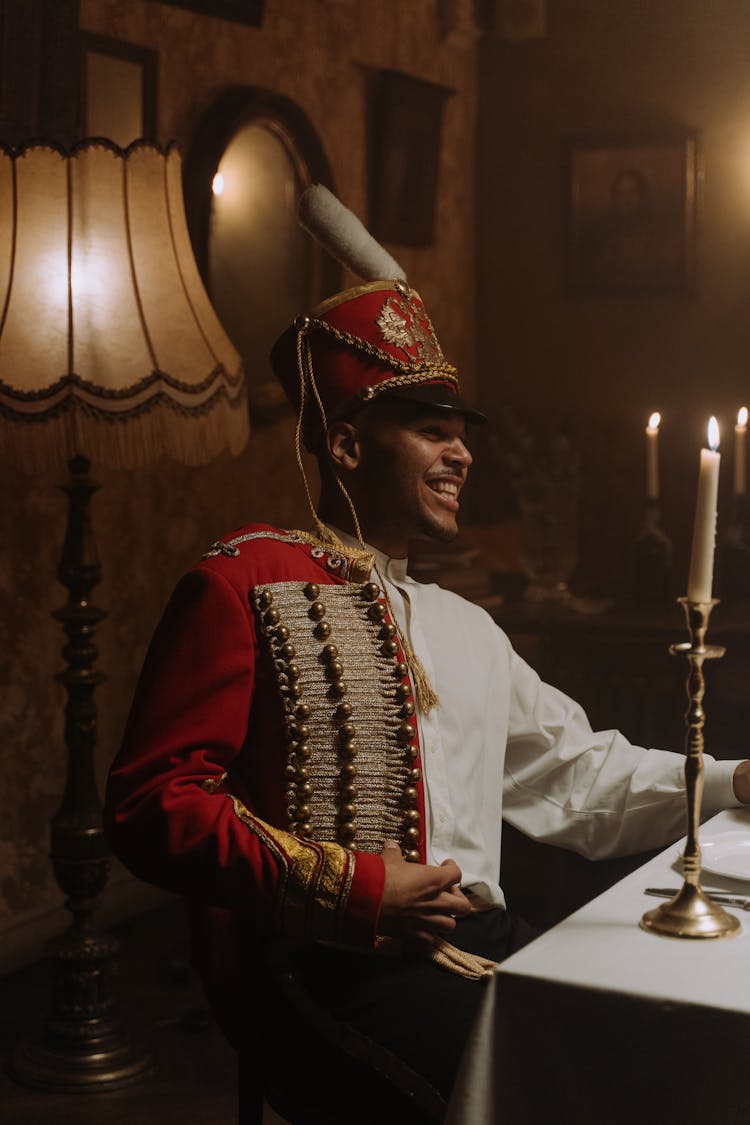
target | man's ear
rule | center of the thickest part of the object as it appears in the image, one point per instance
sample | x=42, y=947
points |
x=344, y=445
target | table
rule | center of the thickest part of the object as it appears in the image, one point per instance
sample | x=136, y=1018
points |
x=598, y=1021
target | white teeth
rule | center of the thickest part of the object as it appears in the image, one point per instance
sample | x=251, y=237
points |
x=446, y=487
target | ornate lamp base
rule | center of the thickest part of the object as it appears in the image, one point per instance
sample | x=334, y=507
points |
x=690, y=915
x=83, y=1047
x=106, y=1061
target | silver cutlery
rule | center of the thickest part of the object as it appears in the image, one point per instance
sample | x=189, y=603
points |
x=726, y=898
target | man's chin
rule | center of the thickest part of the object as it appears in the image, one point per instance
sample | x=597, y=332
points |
x=438, y=532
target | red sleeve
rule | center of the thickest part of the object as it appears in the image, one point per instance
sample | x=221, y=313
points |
x=172, y=822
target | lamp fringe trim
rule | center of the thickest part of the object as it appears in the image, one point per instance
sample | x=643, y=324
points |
x=124, y=441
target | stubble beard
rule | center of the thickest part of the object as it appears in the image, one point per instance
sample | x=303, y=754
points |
x=429, y=526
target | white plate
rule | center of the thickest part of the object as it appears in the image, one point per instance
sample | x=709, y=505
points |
x=728, y=855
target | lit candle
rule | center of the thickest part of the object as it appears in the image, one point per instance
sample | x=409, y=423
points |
x=740, y=447
x=652, y=457
x=701, y=573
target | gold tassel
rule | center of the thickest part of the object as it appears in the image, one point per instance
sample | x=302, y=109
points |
x=458, y=961
x=468, y=965
x=427, y=697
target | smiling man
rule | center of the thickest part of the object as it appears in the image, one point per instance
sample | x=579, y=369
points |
x=321, y=750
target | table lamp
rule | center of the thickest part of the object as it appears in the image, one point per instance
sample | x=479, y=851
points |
x=110, y=352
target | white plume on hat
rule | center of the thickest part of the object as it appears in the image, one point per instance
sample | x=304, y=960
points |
x=340, y=232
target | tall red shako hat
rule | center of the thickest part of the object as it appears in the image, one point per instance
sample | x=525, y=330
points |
x=372, y=340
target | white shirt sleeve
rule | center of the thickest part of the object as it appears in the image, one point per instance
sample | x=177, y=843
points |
x=592, y=791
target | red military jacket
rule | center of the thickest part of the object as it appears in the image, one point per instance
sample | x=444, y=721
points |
x=270, y=749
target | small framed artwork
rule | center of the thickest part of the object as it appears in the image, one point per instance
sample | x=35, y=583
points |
x=407, y=122
x=632, y=219
x=118, y=90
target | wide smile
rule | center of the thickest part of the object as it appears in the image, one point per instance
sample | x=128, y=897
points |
x=446, y=490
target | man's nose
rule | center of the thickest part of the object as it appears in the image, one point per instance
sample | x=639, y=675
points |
x=458, y=454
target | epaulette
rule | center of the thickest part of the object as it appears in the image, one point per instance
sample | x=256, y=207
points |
x=351, y=563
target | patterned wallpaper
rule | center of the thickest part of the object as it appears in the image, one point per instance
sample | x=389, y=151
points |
x=150, y=525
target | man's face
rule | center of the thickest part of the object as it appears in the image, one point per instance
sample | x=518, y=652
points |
x=414, y=463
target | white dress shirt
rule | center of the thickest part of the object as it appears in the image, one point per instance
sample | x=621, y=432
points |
x=504, y=744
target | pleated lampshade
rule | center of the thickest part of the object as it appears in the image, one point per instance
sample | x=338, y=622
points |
x=109, y=345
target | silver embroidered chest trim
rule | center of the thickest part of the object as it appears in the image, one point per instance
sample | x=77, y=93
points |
x=352, y=762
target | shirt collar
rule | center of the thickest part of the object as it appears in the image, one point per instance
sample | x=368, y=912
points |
x=393, y=569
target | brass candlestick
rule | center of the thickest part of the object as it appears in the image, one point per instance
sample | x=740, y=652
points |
x=690, y=914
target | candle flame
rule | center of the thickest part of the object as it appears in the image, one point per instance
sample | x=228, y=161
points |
x=742, y=416
x=713, y=434
x=654, y=420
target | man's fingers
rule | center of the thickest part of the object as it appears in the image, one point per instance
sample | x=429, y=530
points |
x=450, y=872
x=445, y=903
x=436, y=923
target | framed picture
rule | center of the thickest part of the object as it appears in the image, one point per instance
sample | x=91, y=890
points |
x=118, y=90
x=633, y=216
x=407, y=123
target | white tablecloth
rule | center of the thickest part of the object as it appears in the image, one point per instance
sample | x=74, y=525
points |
x=598, y=1021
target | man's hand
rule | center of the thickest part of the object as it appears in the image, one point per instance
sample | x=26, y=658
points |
x=420, y=903
x=741, y=782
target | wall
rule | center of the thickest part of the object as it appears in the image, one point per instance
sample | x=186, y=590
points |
x=608, y=69
x=151, y=525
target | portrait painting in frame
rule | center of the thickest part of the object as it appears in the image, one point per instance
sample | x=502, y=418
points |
x=632, y=216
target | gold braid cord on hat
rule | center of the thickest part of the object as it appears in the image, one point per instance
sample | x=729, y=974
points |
x=426, y=696
x=411, y=373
